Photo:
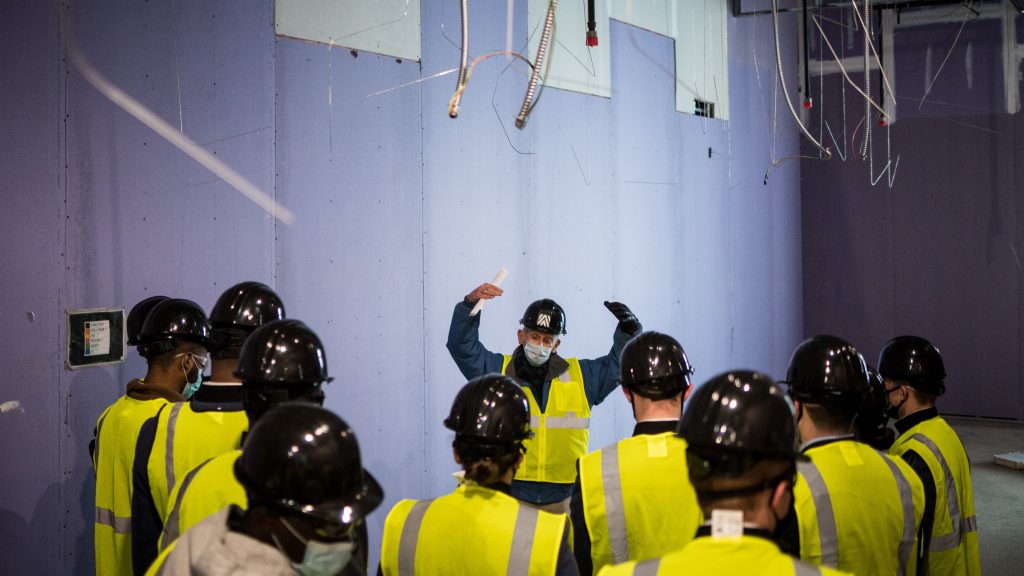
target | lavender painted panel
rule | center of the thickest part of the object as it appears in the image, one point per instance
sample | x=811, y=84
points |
x=31, y=509
x=350, y=167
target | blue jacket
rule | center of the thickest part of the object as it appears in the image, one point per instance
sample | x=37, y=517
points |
x=600, y=377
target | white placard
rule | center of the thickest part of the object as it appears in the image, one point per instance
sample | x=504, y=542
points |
x=97, y=338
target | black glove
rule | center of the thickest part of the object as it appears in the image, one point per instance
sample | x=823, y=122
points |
x=627, y=320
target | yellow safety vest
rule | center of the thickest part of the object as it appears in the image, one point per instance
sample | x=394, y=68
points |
x=858, y=510
x=560, y=435
x=637, y=499
x=117, y=432
x=954, y=544
x=205, y=490
x=185, y=439
x=473, y=530
x=737, y=556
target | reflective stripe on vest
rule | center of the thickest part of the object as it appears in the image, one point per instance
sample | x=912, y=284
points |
x=519, y=554
x=614, y=507
x=647, y=568
x=827, y=535
x=570, y=422
x=170, y=532
x=958, y=525
x=120, y=524
x=172, y=423
x=907, y=499
x=804, y=569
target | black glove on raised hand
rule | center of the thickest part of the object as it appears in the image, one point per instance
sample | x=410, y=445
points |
x=628, y=322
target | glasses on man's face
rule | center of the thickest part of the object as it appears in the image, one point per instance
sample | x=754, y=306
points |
x=200, y=361
x=541, y=339
x=891, y=390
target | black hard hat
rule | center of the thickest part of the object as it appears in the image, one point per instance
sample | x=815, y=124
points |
x=137, y=317
x=655, y=366
x=170, y=322
x=736, y=420
x=544, y=316
x=305, y=459
x=240, y=310
x=490, y=414
x=282, y=353
x=914, y=360
x=828, y=371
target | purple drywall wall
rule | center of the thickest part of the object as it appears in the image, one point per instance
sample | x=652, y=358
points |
x=399, y=212
x=935, y=255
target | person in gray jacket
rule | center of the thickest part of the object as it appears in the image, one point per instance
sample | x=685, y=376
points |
x=308, y=495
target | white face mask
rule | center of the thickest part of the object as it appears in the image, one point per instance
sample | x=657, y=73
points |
x=536, y=354
x=321, y=558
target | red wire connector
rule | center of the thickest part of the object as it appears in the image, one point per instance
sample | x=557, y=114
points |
x=591, y=38
x=809, y=103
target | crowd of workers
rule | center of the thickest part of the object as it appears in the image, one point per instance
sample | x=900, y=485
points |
x=244, y=471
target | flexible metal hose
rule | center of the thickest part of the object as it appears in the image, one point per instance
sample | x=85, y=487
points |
x=782, y=82
x=542, y=49
x=453, y=110
x=867, y=80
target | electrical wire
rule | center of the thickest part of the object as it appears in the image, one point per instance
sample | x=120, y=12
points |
x=785, y=90
x=542, y=48
x=956, y=39
x=469, y=72
x=866, y=23
x=843, y=70
x=456, y=101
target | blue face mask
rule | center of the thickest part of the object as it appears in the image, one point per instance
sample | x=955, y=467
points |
x=191, y=387
x=536, y=354
x=321, y=558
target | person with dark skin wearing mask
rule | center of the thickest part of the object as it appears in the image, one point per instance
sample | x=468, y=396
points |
x=561, y=391
x=633, y=500
x=740, y=433
x=914, y=376
x=307, y=494
x=856, y=509
x=211, y=421
x=173, y=339
x=479, y=528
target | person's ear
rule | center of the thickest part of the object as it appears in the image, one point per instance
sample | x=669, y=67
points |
x=522, y=337
x=628, y=394
x=558, y=342
x=455, y=455
x=782, y=497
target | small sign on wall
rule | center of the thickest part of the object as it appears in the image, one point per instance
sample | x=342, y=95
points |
x=96, y=337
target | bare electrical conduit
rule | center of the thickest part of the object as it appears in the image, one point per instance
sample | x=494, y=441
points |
x=453, y=108
x=782, y=82
x=542, y=49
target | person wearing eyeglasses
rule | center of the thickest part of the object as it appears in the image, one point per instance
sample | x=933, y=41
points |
x=172, y=339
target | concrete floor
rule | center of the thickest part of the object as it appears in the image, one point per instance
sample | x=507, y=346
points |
x=998, y=491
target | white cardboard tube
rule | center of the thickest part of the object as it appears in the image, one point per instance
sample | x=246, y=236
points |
x=498, y=279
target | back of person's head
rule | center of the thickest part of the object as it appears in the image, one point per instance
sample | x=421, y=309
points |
x=491, y=418
x=239, y=311
x=654, y=366
x=172, y=327
x=740, y=431
x=915, y=362
x=872, y=424
x=830, y=380
x=302, y=471
x=281, y=361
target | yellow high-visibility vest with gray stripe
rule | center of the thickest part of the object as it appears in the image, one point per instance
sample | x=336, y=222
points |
x=725, y=555
x=205, y=490
x=185, y=439
x=858, y=510
x=637, y=499
x=560, y=434
x=954, y=544
x=473, y=530
x=117, y=433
